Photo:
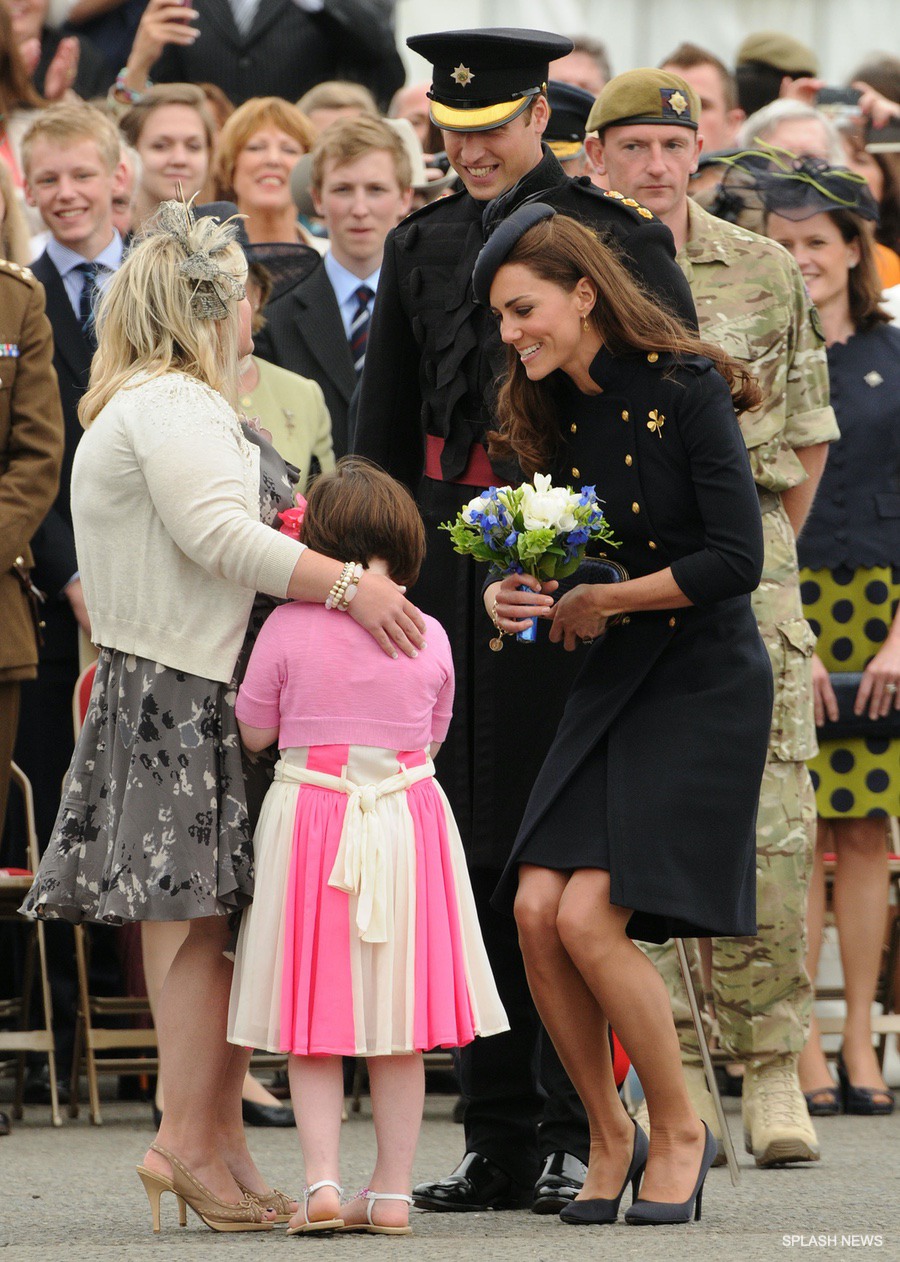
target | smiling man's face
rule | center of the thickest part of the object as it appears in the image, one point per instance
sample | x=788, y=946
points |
x=490, y=162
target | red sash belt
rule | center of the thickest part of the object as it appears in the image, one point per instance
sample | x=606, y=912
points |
x=478, y=471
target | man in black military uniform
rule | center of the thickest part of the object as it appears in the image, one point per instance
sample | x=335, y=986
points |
x=425, y=404
x=564, y=137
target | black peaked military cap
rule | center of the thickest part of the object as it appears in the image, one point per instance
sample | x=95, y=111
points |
x=485, y=78
x=569, y=110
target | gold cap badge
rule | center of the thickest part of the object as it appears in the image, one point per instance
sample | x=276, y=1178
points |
x=678, y=102
x=462, y=75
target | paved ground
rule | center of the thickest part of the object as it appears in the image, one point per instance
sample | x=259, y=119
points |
x=73, y=1194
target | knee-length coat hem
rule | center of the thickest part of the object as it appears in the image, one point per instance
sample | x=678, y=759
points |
x=683, y=697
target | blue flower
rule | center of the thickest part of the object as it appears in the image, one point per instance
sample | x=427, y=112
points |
x=576, y=537
x=511, y=538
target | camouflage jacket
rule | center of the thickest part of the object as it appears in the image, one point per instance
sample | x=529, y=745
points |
x=751, y=301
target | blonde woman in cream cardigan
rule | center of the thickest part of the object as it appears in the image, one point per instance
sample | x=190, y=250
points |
x=153, y=823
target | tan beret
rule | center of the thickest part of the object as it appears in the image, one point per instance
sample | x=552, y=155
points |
x=645, y=96
x=780, y=51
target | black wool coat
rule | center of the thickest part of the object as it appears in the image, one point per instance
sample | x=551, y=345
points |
x=678, y=702
x=432, y=362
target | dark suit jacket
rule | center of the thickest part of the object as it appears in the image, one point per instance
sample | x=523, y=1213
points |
x=54, y=544
x=305, y=333
x=94, y=75
x=285, y=52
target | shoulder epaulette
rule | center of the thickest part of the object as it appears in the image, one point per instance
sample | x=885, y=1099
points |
x=585, y=185
x=15, y=269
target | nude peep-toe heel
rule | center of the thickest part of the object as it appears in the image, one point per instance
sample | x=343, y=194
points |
x=154, y=1185
x=246, y=1215
x=282, y=1204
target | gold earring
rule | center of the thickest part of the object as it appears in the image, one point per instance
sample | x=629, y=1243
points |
x=584, y=325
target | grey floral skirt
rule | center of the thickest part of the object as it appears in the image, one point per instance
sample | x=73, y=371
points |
x=153, y=823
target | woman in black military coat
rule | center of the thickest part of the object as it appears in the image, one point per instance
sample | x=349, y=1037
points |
x=641, y=821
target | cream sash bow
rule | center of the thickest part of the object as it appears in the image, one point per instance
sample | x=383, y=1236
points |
x=360, y=865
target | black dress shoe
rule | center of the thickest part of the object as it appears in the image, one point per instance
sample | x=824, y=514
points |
x=266, y=1114
x=562, y=1178
x=37, y=1087
x=475, y=1185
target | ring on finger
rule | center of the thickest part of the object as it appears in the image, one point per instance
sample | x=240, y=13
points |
x=891, y=688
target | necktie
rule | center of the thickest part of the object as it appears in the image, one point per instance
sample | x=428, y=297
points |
x=359, y=328
x=244, y=12
x=87, y=299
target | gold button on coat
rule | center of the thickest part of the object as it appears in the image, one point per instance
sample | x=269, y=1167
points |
x=629, y=461
x=573, y=429
x=576, y=473
x=671, y=622
x=624, y=416
x=652, y=357
x=651, y=544
x=635, y=508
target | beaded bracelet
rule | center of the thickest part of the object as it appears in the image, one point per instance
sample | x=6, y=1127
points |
x=351, y=589
x=344, y=589
x=123, y=92
x=336, y=595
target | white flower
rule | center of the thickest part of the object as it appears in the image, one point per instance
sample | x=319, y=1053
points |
x=475, y=508
x=547, y=507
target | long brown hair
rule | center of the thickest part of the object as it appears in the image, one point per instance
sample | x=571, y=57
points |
x=562, y=251
x=16, y=89
x=863, y=282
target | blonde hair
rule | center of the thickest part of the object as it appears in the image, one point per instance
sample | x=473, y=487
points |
x=66, y=124
x=15, y=242
x=146, y=321
x=245, y=122
x=350, y=138
x=338, y=94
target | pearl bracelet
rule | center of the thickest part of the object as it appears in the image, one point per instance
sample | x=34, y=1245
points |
x=344, y=589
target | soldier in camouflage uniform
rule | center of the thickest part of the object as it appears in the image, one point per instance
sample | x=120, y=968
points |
x=750, y=300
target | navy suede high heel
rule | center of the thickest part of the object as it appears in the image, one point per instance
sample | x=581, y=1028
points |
x=660, y=1213
x=596, y=1210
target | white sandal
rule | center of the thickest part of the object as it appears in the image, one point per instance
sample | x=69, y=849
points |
x=312, y=1224
x=374, y=1229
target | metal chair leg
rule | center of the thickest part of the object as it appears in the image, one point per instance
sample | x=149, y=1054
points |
x=733, y=1168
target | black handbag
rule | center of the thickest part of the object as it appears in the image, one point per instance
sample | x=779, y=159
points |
x=847, y=724
x=592, y=570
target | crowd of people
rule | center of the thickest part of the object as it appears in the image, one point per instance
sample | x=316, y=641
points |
x=269, y=318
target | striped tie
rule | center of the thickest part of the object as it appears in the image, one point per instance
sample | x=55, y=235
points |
x=87, y=299
x=359, y=328
x=244, y=12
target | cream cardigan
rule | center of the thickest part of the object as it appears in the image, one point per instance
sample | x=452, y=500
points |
x=165, y=506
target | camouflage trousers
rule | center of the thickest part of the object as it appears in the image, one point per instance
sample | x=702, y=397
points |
x=761, y=990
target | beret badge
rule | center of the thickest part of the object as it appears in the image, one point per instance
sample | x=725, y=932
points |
x=673, y=101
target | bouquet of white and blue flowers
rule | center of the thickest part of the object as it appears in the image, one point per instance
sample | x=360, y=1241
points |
x=535, y=528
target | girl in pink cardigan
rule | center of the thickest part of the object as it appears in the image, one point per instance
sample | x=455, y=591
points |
x=362, y=939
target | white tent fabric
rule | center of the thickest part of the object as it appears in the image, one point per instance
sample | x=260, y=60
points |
x=641, y=32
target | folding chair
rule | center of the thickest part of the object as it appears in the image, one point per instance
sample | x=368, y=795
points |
x=13, y=889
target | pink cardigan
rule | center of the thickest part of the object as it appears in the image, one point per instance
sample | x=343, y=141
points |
x=322, y=680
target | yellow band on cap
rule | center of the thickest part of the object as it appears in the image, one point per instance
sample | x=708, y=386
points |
x=483, y=119
x=565, y=150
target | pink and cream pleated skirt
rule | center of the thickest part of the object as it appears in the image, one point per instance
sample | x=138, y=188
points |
x=362, y=939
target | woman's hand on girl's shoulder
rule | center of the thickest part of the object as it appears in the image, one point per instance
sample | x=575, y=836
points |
x=394, y=622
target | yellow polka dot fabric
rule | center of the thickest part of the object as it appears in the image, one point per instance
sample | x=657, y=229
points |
x=851, y=612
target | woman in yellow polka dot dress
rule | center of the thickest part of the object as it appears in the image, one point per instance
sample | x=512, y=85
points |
x=851, y=587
